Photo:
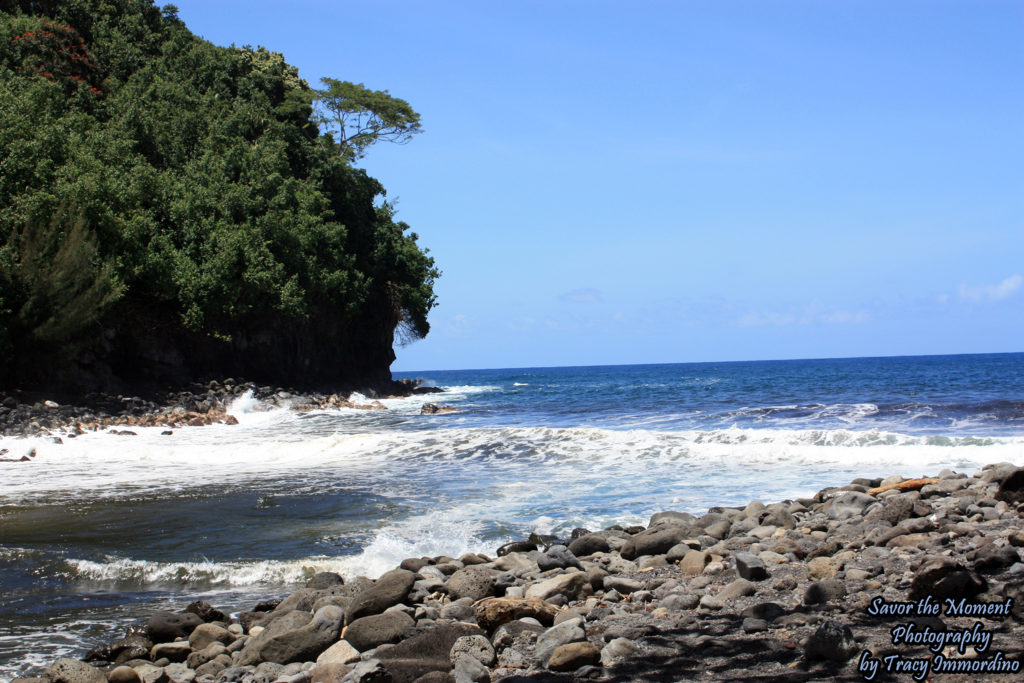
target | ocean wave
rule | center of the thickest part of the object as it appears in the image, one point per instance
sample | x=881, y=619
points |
x=105, y=465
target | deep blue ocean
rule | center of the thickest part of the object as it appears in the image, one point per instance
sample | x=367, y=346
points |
x=104, y=529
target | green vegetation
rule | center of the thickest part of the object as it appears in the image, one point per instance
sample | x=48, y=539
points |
x=193, y=217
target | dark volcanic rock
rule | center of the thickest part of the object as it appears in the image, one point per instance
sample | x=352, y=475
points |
x=589, y=544
x=425, y=652
x=516, y=547
x=750, y=567
x=472, y=582
x=557, y=557
x=325, y=580
x=824, y=591
x=369, y=632
x=164, y=627
x=832, y=641
x=1012, y=488
x=656, y=540
x=992, y=558
x=389, y=590
x=945, y=578
x=74, y=671
x=294, y=637
x=574, y=655
x=206, y=611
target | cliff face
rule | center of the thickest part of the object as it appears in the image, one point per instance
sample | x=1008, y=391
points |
x=170, y=210
x=149, y=352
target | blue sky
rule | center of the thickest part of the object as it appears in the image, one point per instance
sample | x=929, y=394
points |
x=650, y=182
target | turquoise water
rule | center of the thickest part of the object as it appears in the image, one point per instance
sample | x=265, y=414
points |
x=103, y=529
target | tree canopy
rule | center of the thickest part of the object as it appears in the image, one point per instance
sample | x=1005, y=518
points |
x=220, y=230
x=359, y=117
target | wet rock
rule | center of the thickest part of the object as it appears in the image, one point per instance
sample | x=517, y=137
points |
x=516, y=547
x=206, y=611
x=164, y=627
x=437, y=409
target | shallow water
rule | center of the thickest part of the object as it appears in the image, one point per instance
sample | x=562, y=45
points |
x=104, y=529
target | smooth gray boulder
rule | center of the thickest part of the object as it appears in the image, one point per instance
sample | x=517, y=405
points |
x=283, y=645
x=367, y=633
x=388, y=591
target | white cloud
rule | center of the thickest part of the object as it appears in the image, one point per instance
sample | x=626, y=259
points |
x=811, y=313
x=763, y=319
x=582, y=296
x=995, y=292
x=844, y=317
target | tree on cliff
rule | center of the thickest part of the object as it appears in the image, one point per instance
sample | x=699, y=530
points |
x=235, y=236
x=359, y=117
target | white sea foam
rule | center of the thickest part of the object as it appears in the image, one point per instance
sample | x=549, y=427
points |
x=103, y=465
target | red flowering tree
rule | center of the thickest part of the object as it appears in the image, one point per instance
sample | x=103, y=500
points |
x=56, y=52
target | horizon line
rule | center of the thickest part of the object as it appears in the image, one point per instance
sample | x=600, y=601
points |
x=720, y=362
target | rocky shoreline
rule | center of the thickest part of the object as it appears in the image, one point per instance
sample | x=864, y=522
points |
x=894, y=579
x=198, y=404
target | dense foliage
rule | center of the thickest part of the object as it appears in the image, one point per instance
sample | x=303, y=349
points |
x=196, y=218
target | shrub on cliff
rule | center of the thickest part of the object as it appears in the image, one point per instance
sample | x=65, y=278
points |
x=236, y=236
